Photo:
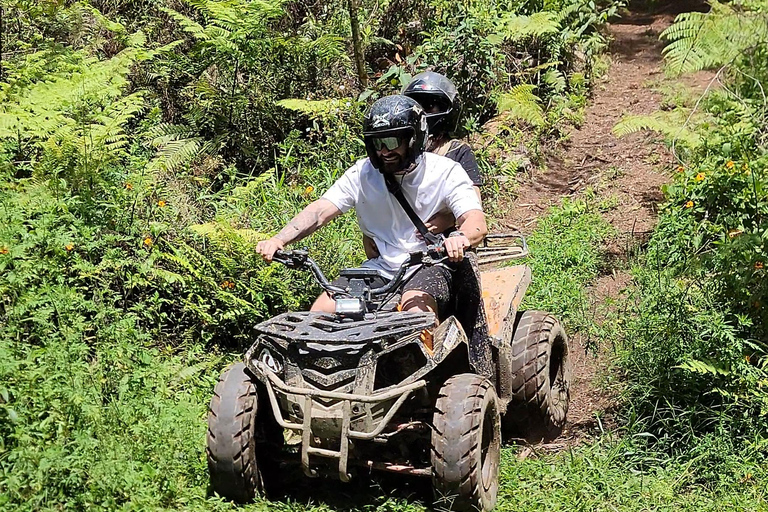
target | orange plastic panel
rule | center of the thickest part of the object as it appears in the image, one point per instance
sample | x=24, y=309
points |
x=503, y=290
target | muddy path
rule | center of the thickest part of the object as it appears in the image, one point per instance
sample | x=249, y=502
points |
x=628, y=171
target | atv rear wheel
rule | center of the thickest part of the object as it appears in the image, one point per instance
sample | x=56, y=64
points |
x=466, y=444
x=540, y=368
x=241, y=436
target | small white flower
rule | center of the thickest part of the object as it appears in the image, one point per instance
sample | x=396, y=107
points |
x=341, y=87
x=308, y=129
x=348, y=104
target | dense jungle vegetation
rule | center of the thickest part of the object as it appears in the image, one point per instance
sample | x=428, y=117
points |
x=146, y=146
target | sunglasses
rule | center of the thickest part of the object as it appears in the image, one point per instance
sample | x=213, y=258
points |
x=391, y=143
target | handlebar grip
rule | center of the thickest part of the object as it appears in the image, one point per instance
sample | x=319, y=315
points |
x=283, y=257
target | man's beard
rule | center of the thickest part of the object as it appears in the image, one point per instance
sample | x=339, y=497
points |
x=393, y=167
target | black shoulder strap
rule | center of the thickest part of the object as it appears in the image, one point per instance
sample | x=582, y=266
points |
x=394, y=188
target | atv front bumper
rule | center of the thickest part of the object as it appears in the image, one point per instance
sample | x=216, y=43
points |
x=275, y=386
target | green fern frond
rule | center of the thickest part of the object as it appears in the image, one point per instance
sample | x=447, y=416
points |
x=175, y=154
x=522, y=104
x=703, y=368
x=313, y=108
x=669, y=124
x=514, y=27
x=189, y=26
x=555, y=79
x=223, y=233
x=705, y=40
x=103, y=21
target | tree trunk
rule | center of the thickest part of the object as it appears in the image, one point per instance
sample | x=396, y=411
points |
x=356, y=44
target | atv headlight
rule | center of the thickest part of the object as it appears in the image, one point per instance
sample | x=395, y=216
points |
x=271, y=360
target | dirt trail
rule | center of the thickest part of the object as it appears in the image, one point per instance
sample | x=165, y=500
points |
x=630, y=170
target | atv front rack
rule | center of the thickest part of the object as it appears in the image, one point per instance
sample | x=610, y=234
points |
x=498, y=247
x=273, y=383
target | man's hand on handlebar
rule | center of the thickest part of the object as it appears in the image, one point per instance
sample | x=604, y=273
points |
x=455, y=245
x=267, y=248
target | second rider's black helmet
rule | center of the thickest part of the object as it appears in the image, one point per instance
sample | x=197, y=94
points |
x=396, y=116
x=433, y=89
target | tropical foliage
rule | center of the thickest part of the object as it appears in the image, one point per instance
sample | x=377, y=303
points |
x=697, y=358
x=145, y=147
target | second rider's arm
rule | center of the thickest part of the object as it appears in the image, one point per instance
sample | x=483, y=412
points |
x=314, y=216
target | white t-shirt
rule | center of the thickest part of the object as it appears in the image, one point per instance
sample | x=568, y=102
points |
x=436, y=184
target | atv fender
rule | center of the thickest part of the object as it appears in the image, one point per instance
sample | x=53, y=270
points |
x=503, y=291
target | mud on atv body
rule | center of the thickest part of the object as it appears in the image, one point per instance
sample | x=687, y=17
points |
x=386, y=391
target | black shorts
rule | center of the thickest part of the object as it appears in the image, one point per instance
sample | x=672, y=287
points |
x=436, y=281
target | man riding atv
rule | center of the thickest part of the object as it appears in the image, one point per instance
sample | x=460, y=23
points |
x=395, y=131
x=425, y=391
x=440, y=99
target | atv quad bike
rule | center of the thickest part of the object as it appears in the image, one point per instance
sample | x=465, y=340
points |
x=373, y=388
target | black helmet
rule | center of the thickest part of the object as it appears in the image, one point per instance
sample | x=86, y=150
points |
x=430, y=88
x=396, y=116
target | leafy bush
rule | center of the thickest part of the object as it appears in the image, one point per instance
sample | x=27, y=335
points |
x=140, y=161
x=696, y=350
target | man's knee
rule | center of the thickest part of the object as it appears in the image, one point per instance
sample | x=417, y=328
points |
x=417, y=300
x=324, y=304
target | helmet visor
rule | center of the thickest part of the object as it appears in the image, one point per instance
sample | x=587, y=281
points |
x=391, y=143
x=433, y=103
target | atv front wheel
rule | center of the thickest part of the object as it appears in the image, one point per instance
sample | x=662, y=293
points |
x=466, y=444
x=540, y=368
x=241, y=435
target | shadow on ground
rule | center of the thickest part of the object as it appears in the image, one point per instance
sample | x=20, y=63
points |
x=674, y=7
x=365, y=491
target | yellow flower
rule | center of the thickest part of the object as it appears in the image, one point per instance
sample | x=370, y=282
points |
x=700, y=176
x=308, y=190
x=225, y=285
x=161, y=203
x=729, y=164
x=689, y=204
x=680, y=168
x=746, y=358
x=759, y=265
x=148, y=241
x=69, y=247
x=3, y=250
x=128, y=185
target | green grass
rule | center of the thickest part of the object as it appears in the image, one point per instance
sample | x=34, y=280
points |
x=117, y=421
x=566, y=256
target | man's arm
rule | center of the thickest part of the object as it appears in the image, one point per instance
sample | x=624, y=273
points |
x=316, y=215
x=472, y=224
x=472, y=230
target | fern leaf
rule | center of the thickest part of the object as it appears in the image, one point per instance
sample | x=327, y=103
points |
x=669, y=124
x=699, y=41
x=312, y=108
x=702, y=368
x=522, y=104
x=514, y=27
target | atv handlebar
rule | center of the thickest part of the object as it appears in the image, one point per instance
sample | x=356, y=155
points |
x=300, y=260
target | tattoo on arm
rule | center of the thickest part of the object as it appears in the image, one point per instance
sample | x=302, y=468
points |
x=309, y=220
x=301, y=226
